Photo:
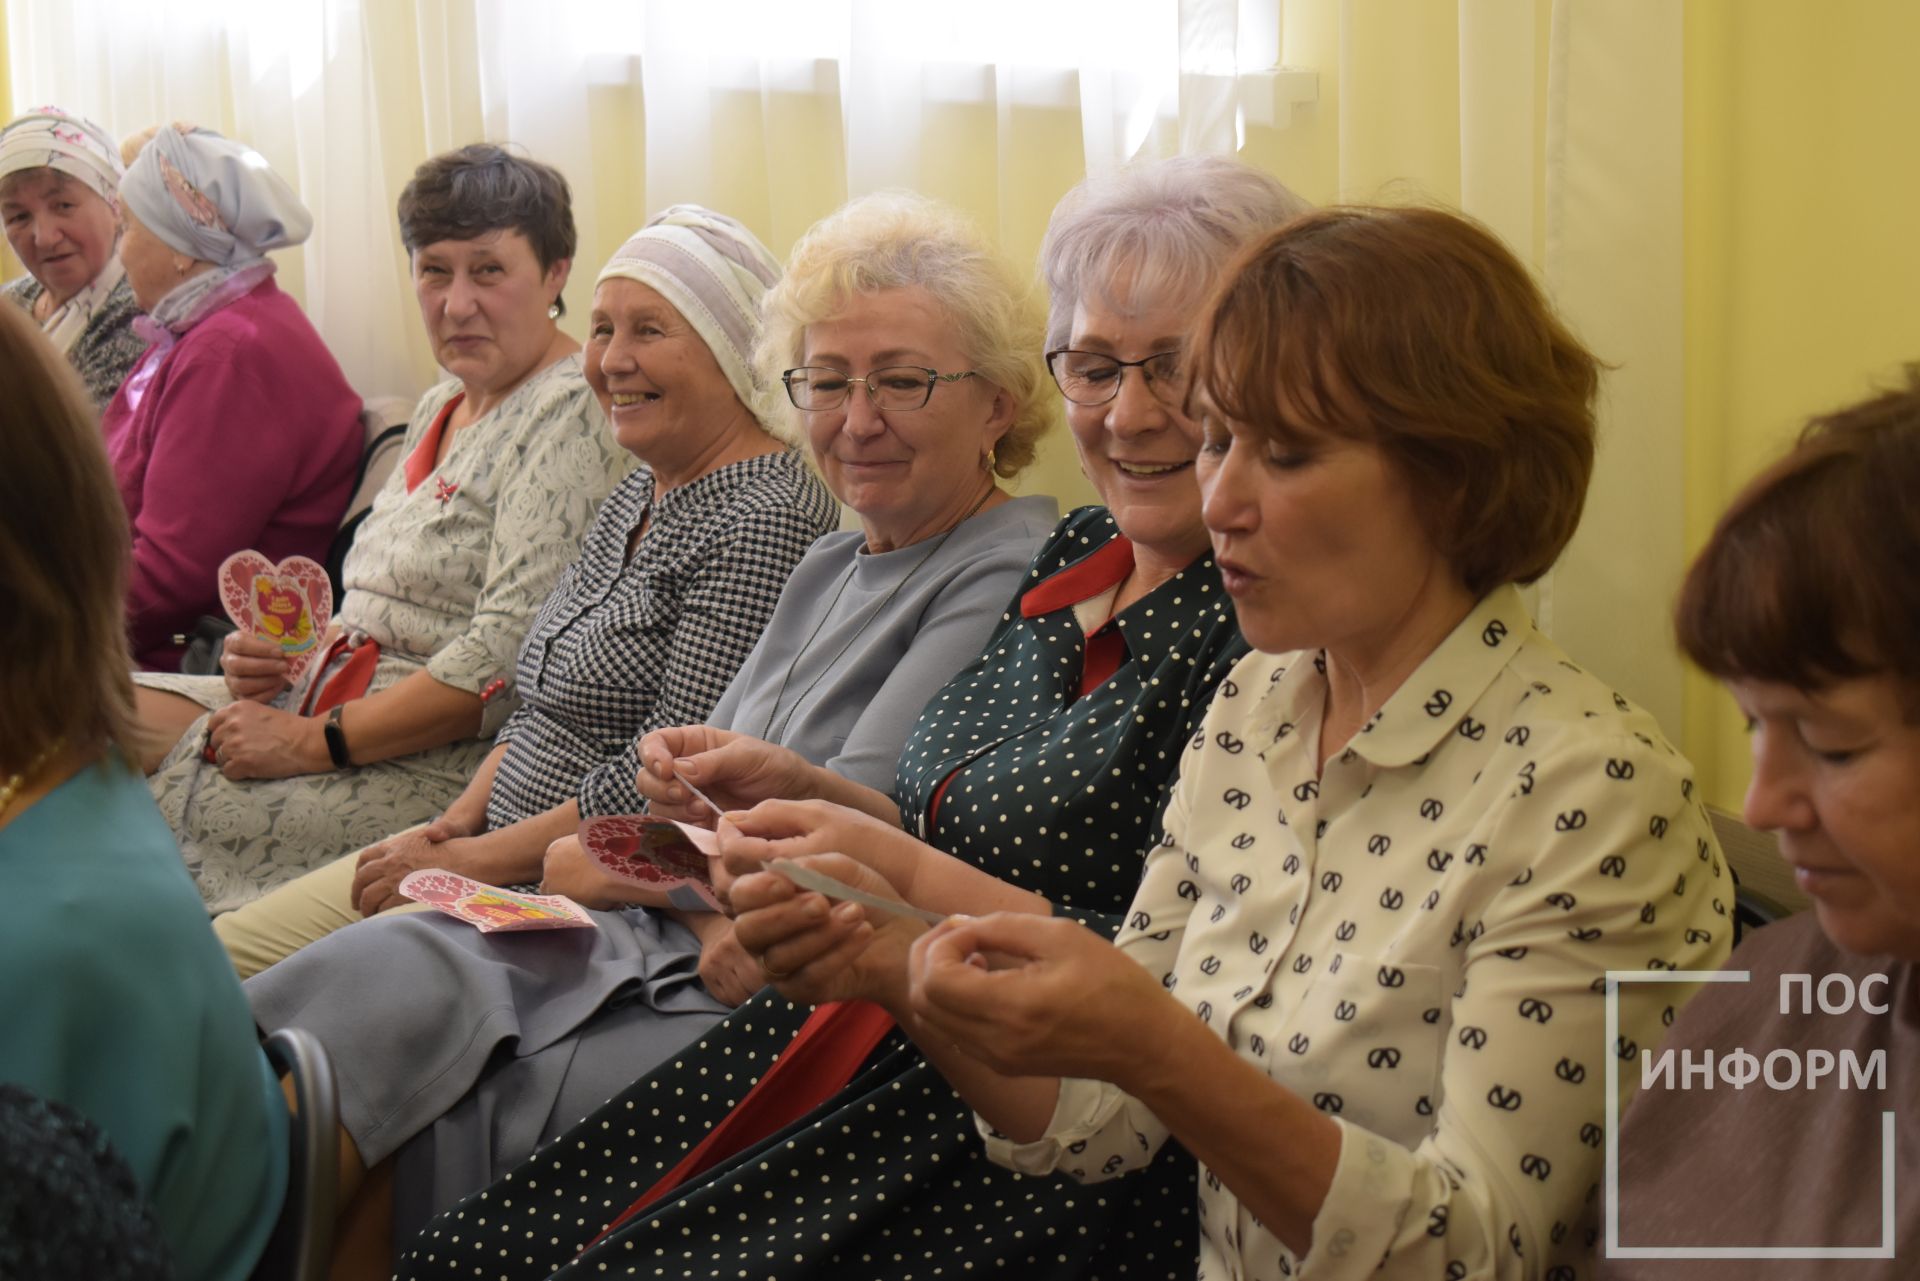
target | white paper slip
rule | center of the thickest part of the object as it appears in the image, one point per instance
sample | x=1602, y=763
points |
x=699, y=795
x=820, y=883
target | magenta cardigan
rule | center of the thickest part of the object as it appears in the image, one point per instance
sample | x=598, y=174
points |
x=246, y=435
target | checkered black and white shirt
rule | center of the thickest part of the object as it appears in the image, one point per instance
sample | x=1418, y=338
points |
x=628, y=644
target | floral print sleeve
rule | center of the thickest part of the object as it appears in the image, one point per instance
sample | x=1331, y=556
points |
x=451, y=573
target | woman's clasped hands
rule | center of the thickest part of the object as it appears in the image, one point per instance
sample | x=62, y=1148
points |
x=248, y=738
x=384, y=864
x=1035, y=995
x=810, y=947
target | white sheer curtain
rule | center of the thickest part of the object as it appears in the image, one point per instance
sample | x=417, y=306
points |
x=1556, y=122
x=774, y=109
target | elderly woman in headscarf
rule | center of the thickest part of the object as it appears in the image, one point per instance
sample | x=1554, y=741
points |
x=237, y=429
x=60, y=200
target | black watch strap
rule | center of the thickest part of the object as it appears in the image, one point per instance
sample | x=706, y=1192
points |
x=336, y=738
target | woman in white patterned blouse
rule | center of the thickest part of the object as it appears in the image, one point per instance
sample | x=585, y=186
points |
x=506, y=463
x=1362, y=979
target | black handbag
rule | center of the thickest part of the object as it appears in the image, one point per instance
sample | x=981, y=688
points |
x=204, y=642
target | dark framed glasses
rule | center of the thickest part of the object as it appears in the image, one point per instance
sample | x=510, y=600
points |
x=1092, y=378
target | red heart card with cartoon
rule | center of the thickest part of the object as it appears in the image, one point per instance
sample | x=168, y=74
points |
x=289, y=604
x=488, y=908
x=657, y=852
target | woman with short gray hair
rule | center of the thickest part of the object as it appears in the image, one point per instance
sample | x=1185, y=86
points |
x=264, y=776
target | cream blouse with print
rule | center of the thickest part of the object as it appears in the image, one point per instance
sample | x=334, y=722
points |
x=1415, y=940
x=449, y=576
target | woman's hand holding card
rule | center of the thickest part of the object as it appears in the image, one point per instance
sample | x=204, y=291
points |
x=816, y=950
x=736, y=770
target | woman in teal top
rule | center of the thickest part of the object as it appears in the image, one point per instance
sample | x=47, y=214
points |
x=119, y=1004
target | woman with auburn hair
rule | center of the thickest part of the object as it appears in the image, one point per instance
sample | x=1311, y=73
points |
x=116, y=1000
x=1360, y=979
x=1806, y=602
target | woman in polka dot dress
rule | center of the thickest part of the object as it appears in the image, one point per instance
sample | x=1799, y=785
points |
x=1363, y=979
x=1041, y=770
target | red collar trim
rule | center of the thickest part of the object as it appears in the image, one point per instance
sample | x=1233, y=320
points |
x=420, y=462
x=1082, y=580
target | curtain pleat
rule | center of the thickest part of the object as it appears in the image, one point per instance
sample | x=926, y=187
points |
x=1553, y=121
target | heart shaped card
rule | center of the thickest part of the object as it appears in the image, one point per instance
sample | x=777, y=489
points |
x=488, y=908
x=657, y=852
x=289, y=604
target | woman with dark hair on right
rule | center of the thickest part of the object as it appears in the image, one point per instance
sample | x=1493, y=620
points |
x=1806, y=602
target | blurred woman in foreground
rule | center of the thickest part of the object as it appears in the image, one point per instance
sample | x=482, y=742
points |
x=115, y=999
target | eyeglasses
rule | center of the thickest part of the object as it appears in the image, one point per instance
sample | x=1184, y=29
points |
x=1089, y=378
x=896, y=387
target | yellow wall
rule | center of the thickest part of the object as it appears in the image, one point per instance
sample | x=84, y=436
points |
x=1802, y=250
x=9, y=265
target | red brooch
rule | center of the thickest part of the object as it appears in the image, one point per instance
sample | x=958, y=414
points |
x=443, y=491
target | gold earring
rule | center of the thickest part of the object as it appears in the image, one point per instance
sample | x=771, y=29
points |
x=989, y=460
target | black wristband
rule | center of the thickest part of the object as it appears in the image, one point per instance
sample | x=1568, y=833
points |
x=336, y=738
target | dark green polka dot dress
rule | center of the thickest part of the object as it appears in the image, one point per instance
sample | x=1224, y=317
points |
x=1050, y=758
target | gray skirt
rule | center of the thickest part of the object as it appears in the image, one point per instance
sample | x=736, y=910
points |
x=244, y=839
x=459, y=1052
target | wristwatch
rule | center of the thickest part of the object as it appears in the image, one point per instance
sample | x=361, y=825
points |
x=336, y=738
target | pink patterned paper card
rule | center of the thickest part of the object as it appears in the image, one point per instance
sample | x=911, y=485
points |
x=657, y=852
x=488, y=908
x=289, y=604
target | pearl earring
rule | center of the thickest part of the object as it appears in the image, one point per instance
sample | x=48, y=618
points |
x=553, y=310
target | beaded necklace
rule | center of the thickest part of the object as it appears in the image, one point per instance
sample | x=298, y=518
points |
x=11, y=788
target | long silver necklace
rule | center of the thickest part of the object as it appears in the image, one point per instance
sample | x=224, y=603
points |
x=772, y=733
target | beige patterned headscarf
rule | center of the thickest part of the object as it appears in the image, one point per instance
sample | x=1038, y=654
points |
x=49, y=138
